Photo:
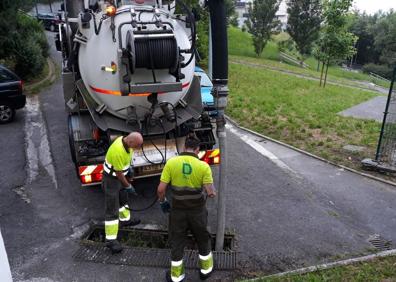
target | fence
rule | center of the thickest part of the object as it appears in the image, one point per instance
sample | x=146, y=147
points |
x=386, y=150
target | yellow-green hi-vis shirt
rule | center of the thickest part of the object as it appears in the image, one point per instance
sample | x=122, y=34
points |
x=117, y=158
x=187, y=174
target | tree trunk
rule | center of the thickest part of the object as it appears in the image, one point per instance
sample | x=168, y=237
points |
x=50, y=4
x=327, y=69
x=321, y=74
x=317, y=68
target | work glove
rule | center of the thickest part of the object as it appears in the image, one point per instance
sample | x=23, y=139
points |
x=165, y=206
x=130, y=190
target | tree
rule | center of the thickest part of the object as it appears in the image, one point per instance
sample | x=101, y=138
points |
x=262, y=22
x=335, y=42
x=385, y=39
x=362, y=26
x=202, y=42
x=303, y=24
x=22, y=39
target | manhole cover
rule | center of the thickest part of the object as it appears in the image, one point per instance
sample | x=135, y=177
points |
x=380, y=243
x=148, y=248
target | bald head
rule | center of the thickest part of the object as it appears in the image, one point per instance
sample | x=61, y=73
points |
x=134, y=140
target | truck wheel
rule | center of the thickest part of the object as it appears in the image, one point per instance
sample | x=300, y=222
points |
x=7, y=112
x=71, y=139
x=52, y=27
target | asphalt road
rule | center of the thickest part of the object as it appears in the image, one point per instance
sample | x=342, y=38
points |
x=288, y=210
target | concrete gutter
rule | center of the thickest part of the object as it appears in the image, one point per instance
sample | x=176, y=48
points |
x=329, y=265
x=236, y=124
x=51, y=76
x=5, y=272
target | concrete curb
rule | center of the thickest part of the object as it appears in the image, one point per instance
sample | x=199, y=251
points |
x=329, y=265
x=309, y=154
x=50, y=76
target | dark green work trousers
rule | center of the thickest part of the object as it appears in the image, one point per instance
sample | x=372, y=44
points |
x=115, y=196
x=182, y=220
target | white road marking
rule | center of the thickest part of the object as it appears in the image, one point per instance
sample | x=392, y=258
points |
x=38, y=150
x=255, y=145
x=5, y=272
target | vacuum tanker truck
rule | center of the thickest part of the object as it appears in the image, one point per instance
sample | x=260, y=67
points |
x=129, y=66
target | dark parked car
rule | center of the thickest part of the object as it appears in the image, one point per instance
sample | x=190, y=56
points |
x=49, y=20
x=11, y=94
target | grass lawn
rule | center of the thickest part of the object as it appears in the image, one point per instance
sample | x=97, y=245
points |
x=381, y=269
x=297, y=111
x=241, y=48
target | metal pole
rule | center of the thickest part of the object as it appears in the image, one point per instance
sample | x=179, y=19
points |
x=219, y=74
x=377, y=155
x=221, y=134
x=50, y=4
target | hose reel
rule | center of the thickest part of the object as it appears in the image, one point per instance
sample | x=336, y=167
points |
x=153, y=50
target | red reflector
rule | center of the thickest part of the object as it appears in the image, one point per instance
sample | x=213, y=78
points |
x=211, y=157
x=91, y=173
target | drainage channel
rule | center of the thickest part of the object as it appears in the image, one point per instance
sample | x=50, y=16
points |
x=144, y=247
x=380, y=243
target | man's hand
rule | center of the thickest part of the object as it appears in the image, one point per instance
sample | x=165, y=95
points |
x=131, y=190
x=210, y=190
x=165, y=206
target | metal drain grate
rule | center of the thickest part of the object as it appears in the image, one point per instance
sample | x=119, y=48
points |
x=380, y=243
x=97, y=252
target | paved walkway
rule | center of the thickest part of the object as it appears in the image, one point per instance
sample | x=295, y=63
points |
x=372, y=109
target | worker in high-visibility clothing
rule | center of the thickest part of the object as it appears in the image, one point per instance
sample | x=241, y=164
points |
x=116, y=186
x=191, y=183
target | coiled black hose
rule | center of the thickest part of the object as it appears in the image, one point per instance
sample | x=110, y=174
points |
x=163, y=52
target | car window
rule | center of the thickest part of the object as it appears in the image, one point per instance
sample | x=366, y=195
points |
x=5, y=76
x=205, y=80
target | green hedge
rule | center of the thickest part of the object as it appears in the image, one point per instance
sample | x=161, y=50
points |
x=26, y=45
x=382, y=70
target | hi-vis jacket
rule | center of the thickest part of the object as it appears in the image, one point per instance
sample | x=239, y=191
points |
x=117, y=158
x=187, y=174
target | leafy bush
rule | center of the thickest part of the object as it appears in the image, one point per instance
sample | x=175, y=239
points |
x=382, y=70
x=25, y=44
x=29, y=26
x=286, y=45
x=29, y=58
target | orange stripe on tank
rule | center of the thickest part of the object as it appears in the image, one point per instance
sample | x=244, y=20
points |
x=118, y=93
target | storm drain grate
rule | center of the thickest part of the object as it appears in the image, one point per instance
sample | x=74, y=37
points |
x=97, y=252
x=380, y=243
x=149, y=247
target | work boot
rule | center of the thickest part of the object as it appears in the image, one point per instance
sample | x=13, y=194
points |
x=114, y=246
x=204, y=276
x=168, y=277
x=131, y=222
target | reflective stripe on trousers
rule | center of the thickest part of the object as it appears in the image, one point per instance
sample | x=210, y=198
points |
x=111, y=229
x=206, y=263
x=177, y=271
x=124, y=213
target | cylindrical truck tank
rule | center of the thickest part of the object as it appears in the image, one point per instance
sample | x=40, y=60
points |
x=100, y=52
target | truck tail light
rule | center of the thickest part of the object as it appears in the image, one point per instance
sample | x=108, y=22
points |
x=21, y=85
x=211, y=157
x=91, y=174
